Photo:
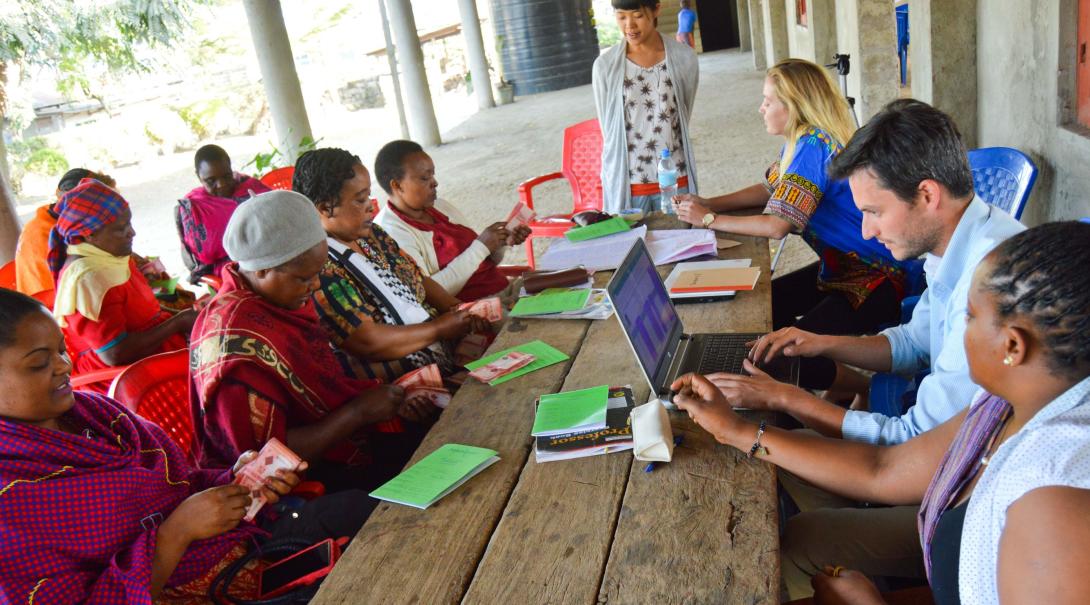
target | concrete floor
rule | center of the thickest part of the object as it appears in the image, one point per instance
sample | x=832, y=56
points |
x=485, y=157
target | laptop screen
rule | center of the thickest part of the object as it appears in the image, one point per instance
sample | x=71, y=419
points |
x=645, y=312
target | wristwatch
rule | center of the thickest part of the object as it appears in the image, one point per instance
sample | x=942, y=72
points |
x=708, y=219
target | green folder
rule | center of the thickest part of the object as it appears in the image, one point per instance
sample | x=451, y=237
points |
x=596, y=230
x=551, y=301
x=544, y=356
x=436, y=475
x=582, y=410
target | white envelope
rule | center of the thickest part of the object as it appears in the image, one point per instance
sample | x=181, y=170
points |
x=651, y=433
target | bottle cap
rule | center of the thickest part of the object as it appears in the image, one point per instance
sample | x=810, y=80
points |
x=665, y=153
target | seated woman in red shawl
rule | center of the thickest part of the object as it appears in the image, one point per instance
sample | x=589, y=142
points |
x=104, y=304
x=433, y=232
x=98, y=505
x=202, y=215
x=262, y=367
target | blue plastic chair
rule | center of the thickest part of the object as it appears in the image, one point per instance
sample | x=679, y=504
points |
x=902, y=39
x=1003, y=177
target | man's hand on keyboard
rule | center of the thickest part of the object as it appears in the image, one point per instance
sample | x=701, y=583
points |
x=758, y=391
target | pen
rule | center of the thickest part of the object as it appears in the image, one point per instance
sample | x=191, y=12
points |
x=651, y=465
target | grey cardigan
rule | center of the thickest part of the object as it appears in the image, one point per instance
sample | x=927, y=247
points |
x=608, y=82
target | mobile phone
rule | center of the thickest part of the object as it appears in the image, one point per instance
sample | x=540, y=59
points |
x=300, y=569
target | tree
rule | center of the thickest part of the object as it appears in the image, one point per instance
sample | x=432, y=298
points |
x=67, y=36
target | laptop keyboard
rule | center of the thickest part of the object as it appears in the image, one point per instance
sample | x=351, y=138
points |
x=723, y=353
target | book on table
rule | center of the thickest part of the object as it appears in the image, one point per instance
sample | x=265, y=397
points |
x=714, y=279
x=569, y=411
x=436, y=475
x=615, y=437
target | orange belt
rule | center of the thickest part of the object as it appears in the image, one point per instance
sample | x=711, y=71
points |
x=641, y=189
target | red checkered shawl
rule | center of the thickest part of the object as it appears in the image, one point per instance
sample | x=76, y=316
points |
x=78, y=514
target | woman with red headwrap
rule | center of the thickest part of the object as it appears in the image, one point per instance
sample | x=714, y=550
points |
x=107, y=309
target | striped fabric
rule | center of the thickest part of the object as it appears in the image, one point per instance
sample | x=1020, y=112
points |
x=86, y=208
x=960, y=464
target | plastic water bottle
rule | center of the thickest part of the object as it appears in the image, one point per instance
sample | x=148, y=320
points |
x=667, y=182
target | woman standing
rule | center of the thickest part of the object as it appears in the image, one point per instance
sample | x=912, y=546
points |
x=644, y=90
x=857, y=285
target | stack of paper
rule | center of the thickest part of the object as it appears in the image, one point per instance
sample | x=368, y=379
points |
x=598, y=307
x=553, y=300
x=544, y=356
x=678, y=287
x=602, y=254
x=582, y=410
x=672, y=245
x=436, y=475
x=615, y=437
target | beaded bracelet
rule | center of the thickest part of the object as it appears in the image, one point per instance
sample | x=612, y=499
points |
x=757, y=444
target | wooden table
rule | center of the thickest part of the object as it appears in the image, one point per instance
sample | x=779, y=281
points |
x=701, y=529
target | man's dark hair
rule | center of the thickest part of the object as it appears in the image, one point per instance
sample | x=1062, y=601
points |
x=320, y=174
x=14, y=306
x=1035, y=275
x=210, y=154
x=905, y=143
x=390, y=162
x=634, y=5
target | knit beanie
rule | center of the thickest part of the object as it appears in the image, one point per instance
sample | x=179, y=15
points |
x=271, y=229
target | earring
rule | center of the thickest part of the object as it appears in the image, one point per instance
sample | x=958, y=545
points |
x=1008, y=360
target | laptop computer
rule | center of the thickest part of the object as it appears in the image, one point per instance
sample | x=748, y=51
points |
x=654, y=331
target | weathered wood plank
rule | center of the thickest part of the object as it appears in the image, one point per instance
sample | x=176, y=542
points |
x=704, y=528
x=553, y=540
x=405, y=555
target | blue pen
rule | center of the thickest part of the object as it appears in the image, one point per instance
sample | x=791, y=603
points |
x=650, y=467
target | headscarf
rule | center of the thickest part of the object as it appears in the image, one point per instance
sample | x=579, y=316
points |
x=86, y=208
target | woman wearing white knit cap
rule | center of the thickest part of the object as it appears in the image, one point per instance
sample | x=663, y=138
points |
x=261, y=367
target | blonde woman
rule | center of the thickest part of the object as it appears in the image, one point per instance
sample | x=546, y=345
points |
x=857, y=285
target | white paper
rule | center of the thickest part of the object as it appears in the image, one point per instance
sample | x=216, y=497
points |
x=601, y=254
x=672, y=245
x=651, y=433
x=734, y=263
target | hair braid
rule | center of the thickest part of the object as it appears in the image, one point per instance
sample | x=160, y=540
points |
x=320, y=174
x=1041, y=274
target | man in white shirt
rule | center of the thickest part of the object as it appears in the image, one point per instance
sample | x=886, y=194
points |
x=910, y=177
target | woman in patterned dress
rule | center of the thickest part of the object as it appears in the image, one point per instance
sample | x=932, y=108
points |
x=374, y=302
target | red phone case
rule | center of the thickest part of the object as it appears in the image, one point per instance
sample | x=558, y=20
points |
x=314, y=576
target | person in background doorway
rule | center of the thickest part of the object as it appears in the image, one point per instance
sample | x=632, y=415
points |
x=686, y=21
x=201, y=216
x=32, y=275
x=644, y=90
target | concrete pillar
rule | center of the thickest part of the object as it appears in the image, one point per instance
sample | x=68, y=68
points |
x=757, y=34
x=478, y=64
x=943, y=58
x=745, y=41
x=775, y=26
x=421, y=113
x=867, y=30
x=278, y=75
x=391, y=59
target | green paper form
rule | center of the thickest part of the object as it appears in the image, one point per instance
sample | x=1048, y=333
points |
x=580, y=410
x=544, y=356
x=436, y=475
x=596, y=230
x=551, y=302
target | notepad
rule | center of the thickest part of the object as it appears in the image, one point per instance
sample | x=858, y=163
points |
x=544, y=356
x=596, y=230
x=551, y=301
x=582, y=410
x=436, y=475
x=716, y=280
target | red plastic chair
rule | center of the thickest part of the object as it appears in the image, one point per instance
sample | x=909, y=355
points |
x=279, y=178
x=7, y=276
x=582, y=166
x=157, y=388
